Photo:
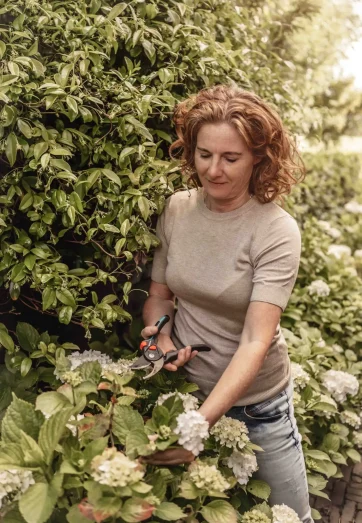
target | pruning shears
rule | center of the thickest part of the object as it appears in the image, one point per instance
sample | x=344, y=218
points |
x=152, y=355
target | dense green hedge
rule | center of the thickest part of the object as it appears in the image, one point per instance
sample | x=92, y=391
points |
x=87, y=94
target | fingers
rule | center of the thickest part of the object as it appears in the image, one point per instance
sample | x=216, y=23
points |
x=149, y=331
x=184, y=355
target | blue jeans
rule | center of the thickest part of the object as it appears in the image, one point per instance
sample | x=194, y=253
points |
x=273, y=427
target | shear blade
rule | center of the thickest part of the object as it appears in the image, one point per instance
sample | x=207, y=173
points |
x=141, y=363
x=156, y=367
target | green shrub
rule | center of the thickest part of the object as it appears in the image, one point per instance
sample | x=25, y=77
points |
x=87, y=93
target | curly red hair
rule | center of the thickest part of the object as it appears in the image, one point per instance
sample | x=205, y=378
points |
x=279, y=167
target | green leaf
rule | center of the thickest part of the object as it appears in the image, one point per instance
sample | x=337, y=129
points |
x=2, y=49
x=258, y=488
x=112, y=176
x=6, y=341
x=119, y=246
x=331, y=442
x=74, y=515
x=354, y=455
x=90, y=371
x=14, y=516
x=24, y=128
x=144, y=207
x=11, y=148
x=52, y=431
x=66, y=297
x=125, y=420
x=317, y=454
x=39, y=149
x=116, y=10
x=72, y=104
x=48, y=298
x=219, y=511
x=29, y=261
x=169, y=511
x=25, y=367
x=97, y=322
x=33, y=456
x=26, y=201
x=188, y=490
x=28, y=336
x=65, y=314
x=136, y=509
x=137, y=443
x=20, y=415
x=51, y=402
x=37, y=503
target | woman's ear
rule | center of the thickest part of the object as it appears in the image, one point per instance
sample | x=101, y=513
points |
x=257, y=159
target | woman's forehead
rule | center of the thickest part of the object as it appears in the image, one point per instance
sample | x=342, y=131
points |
x=220, y=136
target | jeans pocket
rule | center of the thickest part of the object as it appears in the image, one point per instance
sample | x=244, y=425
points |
x=268, y=410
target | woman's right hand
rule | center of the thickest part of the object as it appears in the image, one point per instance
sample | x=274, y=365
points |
x=166, y=345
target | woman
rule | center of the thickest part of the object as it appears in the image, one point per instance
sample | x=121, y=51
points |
x=230, y=256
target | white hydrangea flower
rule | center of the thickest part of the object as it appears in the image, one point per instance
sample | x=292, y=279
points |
x=339, y=384
x=189, y=401
x=299, y=375
x=353, y=207
x=319, y=287
x=321, y=343
x=338, y=251
x=207, y=477
x=351, y=271
x=119, y=367
x=13, y=483
x=284, y=514
x=357, y=439
x=332, y=231
x=73, y=377
x=351, y=418
x=78, y=358
x=231, y=433
x=358, y=253
x=337, y=348
x=326, y=413
x=243, y=466
x=255, y=516
x=193, y=429
x=114, y=469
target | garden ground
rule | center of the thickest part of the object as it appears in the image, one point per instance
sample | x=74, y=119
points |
x=345, y=504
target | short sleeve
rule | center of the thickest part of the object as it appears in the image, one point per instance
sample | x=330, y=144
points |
x=276, y=257
x=158, y=273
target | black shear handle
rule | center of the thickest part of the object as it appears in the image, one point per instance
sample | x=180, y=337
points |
x=172, y=354
x=162, y=322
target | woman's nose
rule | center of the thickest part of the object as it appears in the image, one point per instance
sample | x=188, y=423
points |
x=214, y=169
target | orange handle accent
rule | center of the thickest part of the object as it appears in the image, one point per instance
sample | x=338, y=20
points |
x=143, y=344
x=152, y=347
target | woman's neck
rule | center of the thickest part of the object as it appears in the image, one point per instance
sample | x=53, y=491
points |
x=215, y=205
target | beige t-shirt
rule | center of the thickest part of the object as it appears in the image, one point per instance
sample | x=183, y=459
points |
x=216, y=264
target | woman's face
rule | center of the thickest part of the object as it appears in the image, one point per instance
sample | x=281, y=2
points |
x=223, y=162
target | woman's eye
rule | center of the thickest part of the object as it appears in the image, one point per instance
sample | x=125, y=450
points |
x=204, y=156
x=230, y=160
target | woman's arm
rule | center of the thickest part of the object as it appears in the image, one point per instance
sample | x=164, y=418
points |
x=259, y=329
x=160, y=301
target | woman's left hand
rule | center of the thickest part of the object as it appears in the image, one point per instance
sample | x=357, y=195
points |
x=170, y=457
